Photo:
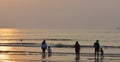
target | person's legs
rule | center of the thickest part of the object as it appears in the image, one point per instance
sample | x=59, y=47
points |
x=43, y=52
x=95, y=53
x=77, y=53
x=102, y=55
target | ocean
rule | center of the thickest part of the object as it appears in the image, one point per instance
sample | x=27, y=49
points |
x=21, y=45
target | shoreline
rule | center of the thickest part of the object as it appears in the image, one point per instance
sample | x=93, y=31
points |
x=58, y=58
x=55, y=53
x=59, y=45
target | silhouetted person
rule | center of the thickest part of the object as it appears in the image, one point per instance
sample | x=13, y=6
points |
x=21, y=40
x=101, y=53
x=44, y=47
x=97, y=47
x=49, y=51
x=77, y=48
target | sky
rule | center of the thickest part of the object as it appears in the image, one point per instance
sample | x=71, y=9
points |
x=60, y=14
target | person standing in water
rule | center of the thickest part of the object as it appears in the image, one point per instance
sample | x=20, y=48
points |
x=77, y=48
x=44, y=47
x=97, y=47
x=49, y=51
x=101, y=53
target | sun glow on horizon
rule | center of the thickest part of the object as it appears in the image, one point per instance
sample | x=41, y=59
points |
x=2, y=48
x=7, y=34
x=3, y=54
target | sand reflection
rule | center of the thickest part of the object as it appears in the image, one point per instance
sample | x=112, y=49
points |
x=5, y=58
x=6, y=34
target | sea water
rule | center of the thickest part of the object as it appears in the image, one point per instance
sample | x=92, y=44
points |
x=19, y=43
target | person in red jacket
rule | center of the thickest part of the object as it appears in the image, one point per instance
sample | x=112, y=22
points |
x=77, y=48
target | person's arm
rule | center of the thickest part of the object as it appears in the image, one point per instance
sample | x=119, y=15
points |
x=94, y=45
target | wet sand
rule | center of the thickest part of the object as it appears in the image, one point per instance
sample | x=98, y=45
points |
x=58, y=55
x=72, y=58
x=56, y=58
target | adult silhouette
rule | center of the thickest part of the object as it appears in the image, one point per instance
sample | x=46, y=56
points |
x=77, y=48
x=97, y=47
x=44, y=47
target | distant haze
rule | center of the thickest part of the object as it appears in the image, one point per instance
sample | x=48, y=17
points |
x=60, y=14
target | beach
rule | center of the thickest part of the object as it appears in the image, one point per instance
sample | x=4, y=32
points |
x=59, y=30
x=34, y=54
x=55, y=58
x=24, y=45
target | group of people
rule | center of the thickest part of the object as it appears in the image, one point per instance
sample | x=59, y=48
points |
x=77, y=49
x=98, y=49
x=96, y=46
x=44, y=47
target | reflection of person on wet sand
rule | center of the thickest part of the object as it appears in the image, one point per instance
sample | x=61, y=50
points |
x=96, y=59
x=77, y=59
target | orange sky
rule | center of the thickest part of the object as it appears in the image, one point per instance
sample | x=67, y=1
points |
x=59, y=13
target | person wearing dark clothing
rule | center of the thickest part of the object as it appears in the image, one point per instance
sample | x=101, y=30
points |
x=97, y=47
x=44, y=47
x=49, y=51
x=102, y=53
x=77, y=48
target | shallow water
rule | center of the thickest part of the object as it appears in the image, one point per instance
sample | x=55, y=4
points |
x=23, y=45
x=33, y=54
x=55, y=58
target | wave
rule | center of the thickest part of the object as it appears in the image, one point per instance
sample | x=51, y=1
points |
x=52, y=45
x=55, y=53
x=58, y=39
x=39, y=39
